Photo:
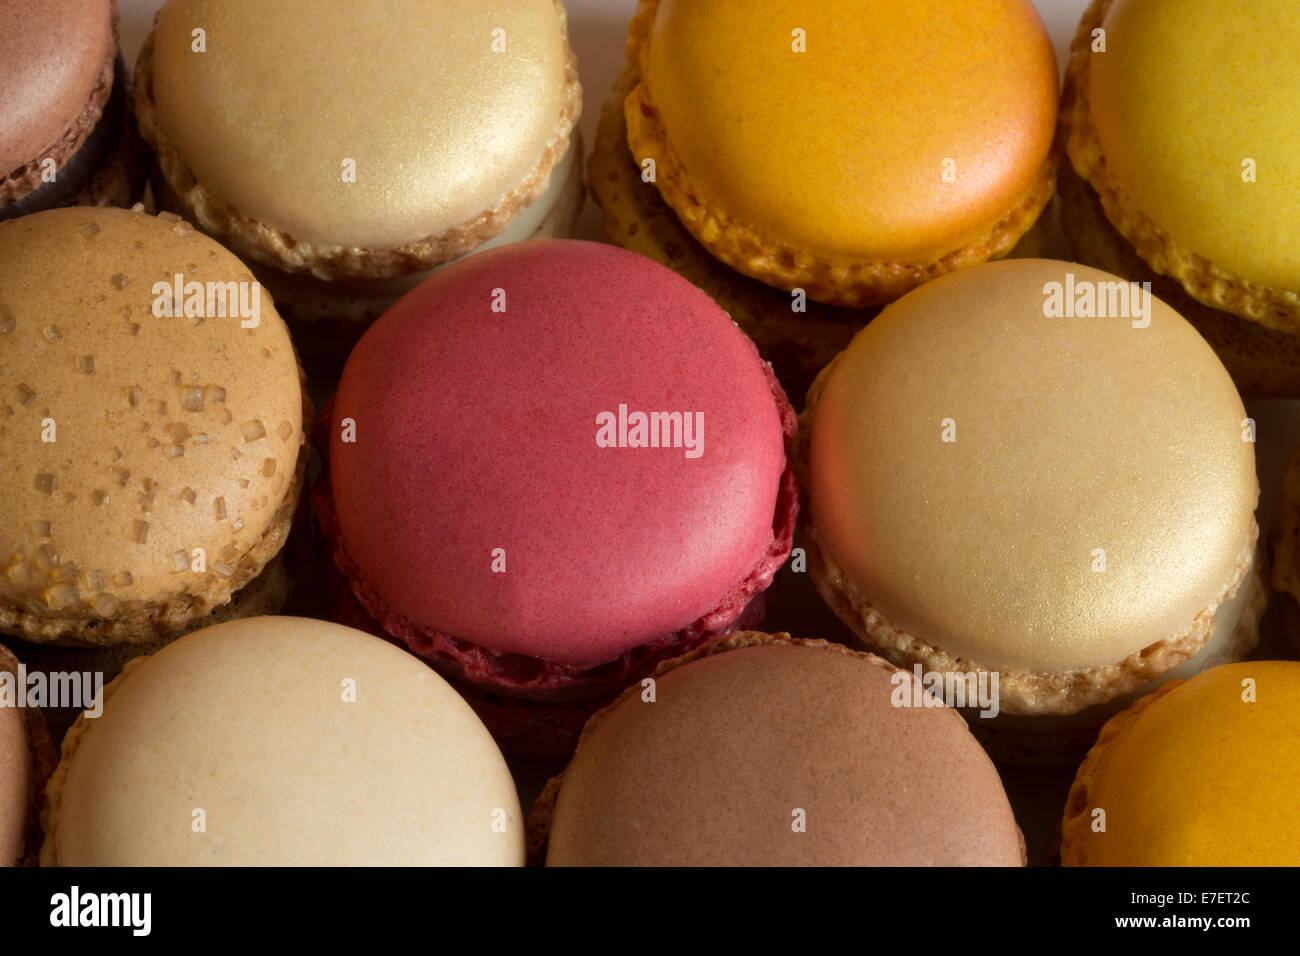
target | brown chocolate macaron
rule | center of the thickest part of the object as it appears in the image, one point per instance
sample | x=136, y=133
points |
x=762, y=750
x=67, y=134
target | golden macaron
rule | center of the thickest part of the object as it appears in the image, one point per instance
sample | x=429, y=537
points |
x=998, y=482
x=321, y=140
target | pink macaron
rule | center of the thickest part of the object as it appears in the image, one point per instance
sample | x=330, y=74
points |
x=549, y=467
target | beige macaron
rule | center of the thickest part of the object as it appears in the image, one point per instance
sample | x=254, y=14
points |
x=154, y=461
x=281, y=741
x=327, y=143
x=1035, y=470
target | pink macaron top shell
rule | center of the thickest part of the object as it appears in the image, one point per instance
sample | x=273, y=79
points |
x=476, y=403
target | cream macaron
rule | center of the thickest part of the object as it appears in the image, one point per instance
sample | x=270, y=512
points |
x=1004, y=476
x=153, y=461
x=281, y=741
x=350, y=150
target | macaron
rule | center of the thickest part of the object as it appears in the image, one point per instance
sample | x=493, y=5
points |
x=1199, y=773
x=1184, y=155
x=152, y=410
x=333, y=748
x=1034, y=470
x=551, y=466
x=797, y=165
x=759, y=750
x=67, y=136
x=347, y=152
x=26, y=760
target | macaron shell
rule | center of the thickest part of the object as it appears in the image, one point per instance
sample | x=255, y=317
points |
x=251, y=723
x=1187, y=92
x=855, y=167
x=1071, y=435
x=287, y=92
x=1201, y=774
x=169, y=434
x=1263, y=361
x=477, y=430
x=737, y=746
x=52, y=54
x=15, y=785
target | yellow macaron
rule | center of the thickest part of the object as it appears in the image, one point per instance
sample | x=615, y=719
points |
x=1199, y=773
x=1180, y=121
x=801, y=152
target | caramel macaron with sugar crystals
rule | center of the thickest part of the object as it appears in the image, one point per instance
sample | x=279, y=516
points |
x=350, y=150
x=26, y=761
x=799, y=146
x=759, y=750
x=293, y=742
x=1180, y=119
x=1199, y=773
x=153, y=462
x=1000, y=479
x=66, y=132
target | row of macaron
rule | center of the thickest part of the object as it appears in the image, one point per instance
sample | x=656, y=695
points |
x=292, y=741
x=731, y=148
x=556, y=465
x=1083, y=540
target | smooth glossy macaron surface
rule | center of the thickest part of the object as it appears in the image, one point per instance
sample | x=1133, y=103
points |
x=495, y=491
x=282, y=741
x=893, y=130
x=52, y=54
x=1196, y=105
x=344, y=124
x=1204, y=775
x=781, y=755
x=1029, y=491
